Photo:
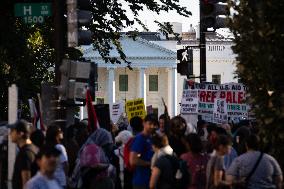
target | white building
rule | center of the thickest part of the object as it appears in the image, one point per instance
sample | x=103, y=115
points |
x=154, y=75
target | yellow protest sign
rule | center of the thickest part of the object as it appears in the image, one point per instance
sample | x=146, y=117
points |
x=135, y=107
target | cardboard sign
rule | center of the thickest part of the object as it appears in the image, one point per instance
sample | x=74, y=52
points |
x=135, y=107
x=117, y=111
x=220, y=114
x=189, y=102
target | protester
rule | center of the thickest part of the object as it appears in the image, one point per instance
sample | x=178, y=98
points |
x=162, y=176
x=141, y=153
x=177, y=135
x=37, y=138
x=196, y=162
x=72, y=146
x=20, y=132
x=54, y=135
x=254, y=168
x=136, y=124
x=215, y=171
x=47, y=159
x=162, y=120
x=161, y=145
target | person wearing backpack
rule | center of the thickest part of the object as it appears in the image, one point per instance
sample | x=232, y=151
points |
x=141, y=153
x=196, y=162
x=167, y=170
x=254, y=169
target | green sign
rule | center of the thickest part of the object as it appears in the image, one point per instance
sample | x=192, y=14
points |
x=33, y=13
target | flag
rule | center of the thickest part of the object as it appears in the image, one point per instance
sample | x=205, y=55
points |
x=167, y=121
x=36, y=115
x=92, y=116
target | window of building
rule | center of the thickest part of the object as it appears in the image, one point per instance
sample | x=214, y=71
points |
x=156, y=112
x=123, y=82
x=153, y=82
x=100, y=100
x=216, y=79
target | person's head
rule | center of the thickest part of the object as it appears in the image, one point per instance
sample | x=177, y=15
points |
x=213, y=132
x=150, y=124
x=37, y=138
x=159, y=141
x=47, y=159
x=194, y=143
x=54, y=135
x=20, y=131
x=223, y=144
x=162, y=121
x=202, y=129
x=252, y=142
x=178, y=126
x=136, y=124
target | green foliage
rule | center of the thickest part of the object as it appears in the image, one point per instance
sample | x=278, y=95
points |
x=27, y=55
x=258, y=29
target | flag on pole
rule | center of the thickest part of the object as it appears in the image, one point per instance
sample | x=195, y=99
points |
x=92, y=116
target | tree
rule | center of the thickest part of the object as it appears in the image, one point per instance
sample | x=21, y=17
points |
x=27, y=53
x=259, y=42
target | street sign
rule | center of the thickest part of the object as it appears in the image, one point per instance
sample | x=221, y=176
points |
x=33, y=13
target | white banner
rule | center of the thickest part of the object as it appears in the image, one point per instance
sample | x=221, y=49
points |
x=117, y=111
x=189, y=102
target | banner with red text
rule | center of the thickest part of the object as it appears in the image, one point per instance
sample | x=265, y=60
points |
x=231, y=95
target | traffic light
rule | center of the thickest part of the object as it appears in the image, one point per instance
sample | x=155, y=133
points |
x=210, y=12
x=185, y=65
x=79, y=18
x=75, y=77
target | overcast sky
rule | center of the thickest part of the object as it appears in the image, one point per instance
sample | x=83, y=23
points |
x=191, y=5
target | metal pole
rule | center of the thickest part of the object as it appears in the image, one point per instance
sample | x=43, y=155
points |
x=202, y=48
x=202, y=57
x=58, y=7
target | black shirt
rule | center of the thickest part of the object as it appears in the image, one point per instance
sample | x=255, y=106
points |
x=166, y=179
x=24, y=161
x=177, y=145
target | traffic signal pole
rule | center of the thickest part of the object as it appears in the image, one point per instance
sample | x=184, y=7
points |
x=202, y=44
x=202, y=56
x=58, y=7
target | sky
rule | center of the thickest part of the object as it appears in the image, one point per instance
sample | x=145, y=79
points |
x=148, y=17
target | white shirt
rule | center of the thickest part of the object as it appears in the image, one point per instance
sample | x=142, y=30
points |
x=59, y=173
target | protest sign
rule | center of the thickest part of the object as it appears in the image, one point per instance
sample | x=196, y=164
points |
x=220, y=114
x=189, y=102
x=117, y=111
x=207, y=94
x=235, y=95
x=135, y=107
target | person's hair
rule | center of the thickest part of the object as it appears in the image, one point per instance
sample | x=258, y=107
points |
x=52, y=132
x=252, y=142
x=152, y=118
x=219, y=130
x=164, y=117
x=194, y=143
x=160, y=140
x=37, y=138
x=136, y=124
x=176, y=124
x=224, y=140
x=47, y=150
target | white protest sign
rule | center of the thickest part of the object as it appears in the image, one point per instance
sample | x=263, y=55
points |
x=189, y=102
x=117, y=111
x=220, y=114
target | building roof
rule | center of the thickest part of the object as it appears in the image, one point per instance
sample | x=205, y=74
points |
x=140, y=51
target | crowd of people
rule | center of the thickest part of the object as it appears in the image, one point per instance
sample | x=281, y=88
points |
x=147, y=153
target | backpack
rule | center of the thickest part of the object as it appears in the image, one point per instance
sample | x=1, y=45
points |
x=182, y=175
x=126, y=154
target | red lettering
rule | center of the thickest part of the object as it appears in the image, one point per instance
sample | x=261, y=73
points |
x=222, y=94
x=240, y=97
x=234, y=98
x=208, y=96
x=202, y=96
x=229, y=97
